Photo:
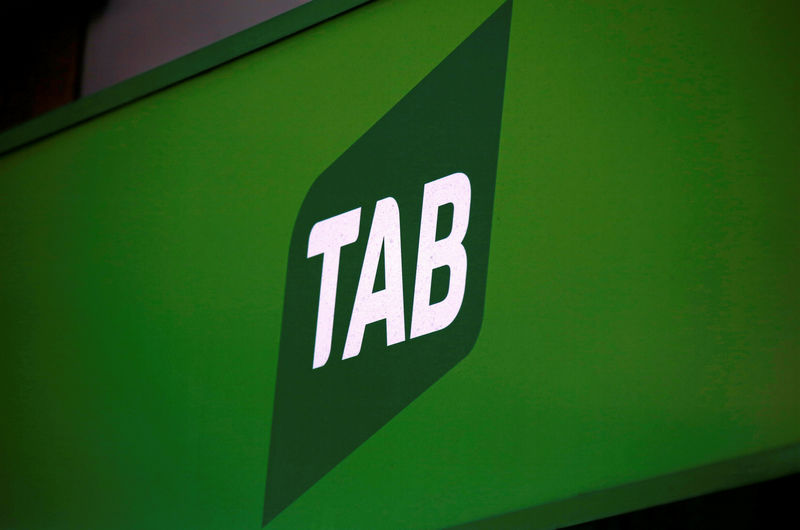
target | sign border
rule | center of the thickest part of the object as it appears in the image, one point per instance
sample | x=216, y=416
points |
x=636, y=495
x=223, y=51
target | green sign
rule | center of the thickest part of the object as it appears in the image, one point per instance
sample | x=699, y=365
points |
x=415, y=263
x=387, y=266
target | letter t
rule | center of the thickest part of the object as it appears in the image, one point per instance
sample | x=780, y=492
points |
x=327, y=238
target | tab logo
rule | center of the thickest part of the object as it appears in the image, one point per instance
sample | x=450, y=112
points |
x=387, y=266
x=329, y=236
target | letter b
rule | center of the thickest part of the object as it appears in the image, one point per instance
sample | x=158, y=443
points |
x=426, y=317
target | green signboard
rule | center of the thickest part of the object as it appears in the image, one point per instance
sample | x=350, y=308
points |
x=409, y=264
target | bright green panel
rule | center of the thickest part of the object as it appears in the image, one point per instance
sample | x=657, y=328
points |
x=642, y=299
x=143, y=267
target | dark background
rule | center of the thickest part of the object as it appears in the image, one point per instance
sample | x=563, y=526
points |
x=769, y=504
x=42, y=51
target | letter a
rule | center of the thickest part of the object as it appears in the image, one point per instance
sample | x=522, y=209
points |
x=427, y=318
x=327, y=238
x=386, y=304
